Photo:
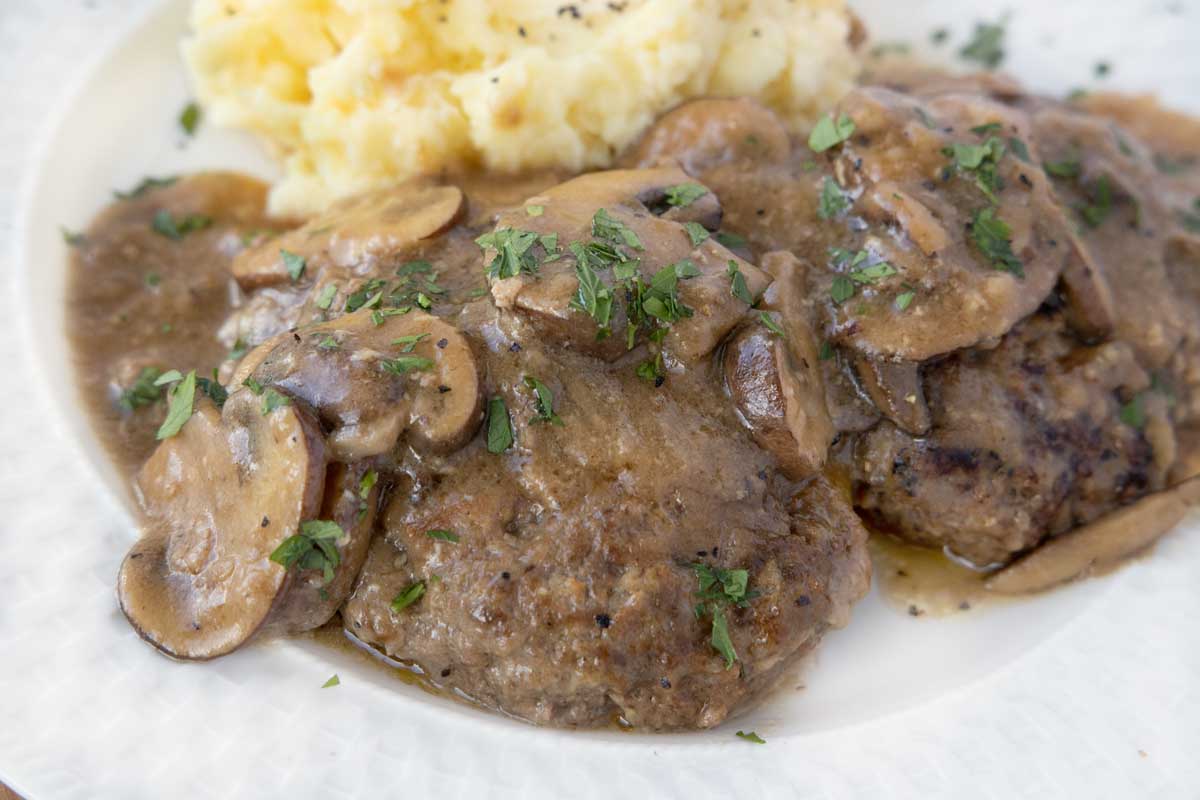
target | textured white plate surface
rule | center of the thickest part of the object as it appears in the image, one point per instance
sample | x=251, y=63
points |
x=1091, y=691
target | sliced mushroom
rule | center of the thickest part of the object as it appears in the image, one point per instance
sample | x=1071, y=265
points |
x=915, y=211
x=781, y=399
x=775, y=381
x=895, y=389
x=703, y=133
x=1089, y=298
x=630, y=197
x=350, y=502
x=370, y=383
x=220, y=497
x=366, y=228
x=1099, y=544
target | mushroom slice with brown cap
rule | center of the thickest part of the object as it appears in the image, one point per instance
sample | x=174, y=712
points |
x=775, y=380
x=704, y=133
x=358, y=230
x=611, y=215
x=895, y=389
x=351, y=498
x=219, y=498
x=1099, y=544
x=370, y=383
x=951, y=213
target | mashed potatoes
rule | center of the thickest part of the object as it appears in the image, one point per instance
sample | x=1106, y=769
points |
x=358, y=93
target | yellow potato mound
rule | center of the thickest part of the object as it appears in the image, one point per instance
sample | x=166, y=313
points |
x=355, y=94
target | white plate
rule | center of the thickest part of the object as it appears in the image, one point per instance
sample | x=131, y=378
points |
x=1055, y=695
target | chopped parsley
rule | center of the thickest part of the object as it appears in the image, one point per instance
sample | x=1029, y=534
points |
x=442, y=535
x=72, y=238
x=333, y=681
x=751, y=737
x=833, y=202
x=213, y=389
x=314, y=547
x=979, y=160
x=367, y=483
x=328, y=342
x=986, y=46
x=272, y=399
x=993, y=237
x=367, y=296
x=696, y=232
x=730, y=240
x=325, y=298
x=652, y=370
x=873, y=273
x=1067, y=168
x=179, y=410
x=535, y=211
x=166, y=224
x=830, y=133
x=189, y=118
x=294, y=264
x=904, y=299
x=152, y=279
x=514, y=252
x=718, y=590
x=1019, y=149
x=408, y=343
x=402, y=365
x=410, y=595
x=145, y=390
x=613, y=231
x=253, y=385
x=499, y=426
x=737, y=284
x=1095, y=212
x=826, y=352
x=545, y=401
x=770, y=324
x=684, y=194
x=378, y=316
x=1133, y=413
x=593, y=297
x=147, y=184
x=842, y=289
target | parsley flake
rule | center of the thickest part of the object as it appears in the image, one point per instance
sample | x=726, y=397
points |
x=147, y=184
x=175, y=228
x=993, y=237
x=696, y=232
x=406, y=598
x=272, y=399
x=770, y=324
x=986, y=46
x=499, y=426
x=684, y=194
x=830, y=133
x=313, y=547
x=294, y=264
x=545, y=401
x=833, y=202
x=1133, y=413
x=325, y=298
x=442, y=535
x=189, y=118
x=179, y=411
x=737, y=284
x=333, y=681
x=145, y=390
x=608, y=229
x=751, y=737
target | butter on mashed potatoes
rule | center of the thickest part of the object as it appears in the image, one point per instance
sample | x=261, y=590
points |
x=355, y=94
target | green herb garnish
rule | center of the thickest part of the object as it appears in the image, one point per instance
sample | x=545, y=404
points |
x=499, y=426
x=696, y=232
x=751, y=737
x=1095, y=212
x=179, y=410
x=442, y=535
x=718, y=590
x=406, y=598
x=593, y=297
x=993, y=237
x=833, y=202
x=770, y=324
x=545, y=401
x=514, y=252
x=165, y=224
x=1133, y=413
x=684, y=194
x=535, y=211
x=830, y=133
x=314, y=547
x=293, y=263
x=408, y=343
x=145, y=390
x=147, y=184
x=333, y=681
x=737, y=283
x=272, y=399
x=730, y=240
x=189, y=118
x=986, y=46
x=402, y=365
x=325, y=298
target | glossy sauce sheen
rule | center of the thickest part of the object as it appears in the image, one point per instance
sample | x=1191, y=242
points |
x=989, y=411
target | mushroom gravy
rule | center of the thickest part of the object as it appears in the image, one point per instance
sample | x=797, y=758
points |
x=593, y=447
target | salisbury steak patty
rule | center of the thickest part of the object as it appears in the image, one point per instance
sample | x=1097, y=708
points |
x=571, y=594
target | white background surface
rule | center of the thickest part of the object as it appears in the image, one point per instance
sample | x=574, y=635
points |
x=1089, y=693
